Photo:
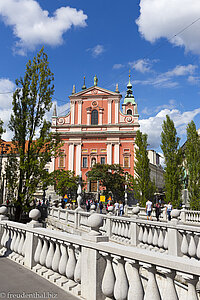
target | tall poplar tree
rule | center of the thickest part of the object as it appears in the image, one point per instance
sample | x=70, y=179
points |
x=143, y=187
x=34, y=144
x=192, y=161
x=173, y=162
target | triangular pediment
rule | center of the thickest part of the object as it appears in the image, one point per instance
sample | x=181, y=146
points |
x=93, y=91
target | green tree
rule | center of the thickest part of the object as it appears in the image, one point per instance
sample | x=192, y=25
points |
x=192, y=160
x=143, y=187
x=2, y=130
x=173, y=162
x=65, y=182
x=34, y=144
x=111, y=178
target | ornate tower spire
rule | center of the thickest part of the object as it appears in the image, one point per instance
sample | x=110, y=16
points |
x=84, y=86
x=74, y=89
x=95, y=80
x=129, y=93
x=54, y=111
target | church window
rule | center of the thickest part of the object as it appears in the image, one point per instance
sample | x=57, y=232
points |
x=85, y=162
x=126, y=162
x=93, y=162
x=62, y=160
x=103, y=160
x=94, y=117
x=129, y=112
x=93, y=186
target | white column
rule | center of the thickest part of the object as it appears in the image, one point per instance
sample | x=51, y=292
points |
x=116, y=153
x=88, y=116
x=109, y=111
x=109, y=154
x=80, y=111
x=71, y=157
x=72, y=112
x=116, y=111
x=100, y=116
x=78, y=159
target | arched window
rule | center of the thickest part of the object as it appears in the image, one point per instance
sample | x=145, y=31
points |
x=129, y=112
x=94, y=117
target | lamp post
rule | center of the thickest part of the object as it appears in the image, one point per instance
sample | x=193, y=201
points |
x=126, y=195
x=3, y=149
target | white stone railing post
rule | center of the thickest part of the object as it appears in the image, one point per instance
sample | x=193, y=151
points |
x=174, y=247
x=92, y=261
x=134, y=228
x=30, y=242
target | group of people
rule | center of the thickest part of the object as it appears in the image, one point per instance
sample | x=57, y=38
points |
x=158, y=206
x=118, y=207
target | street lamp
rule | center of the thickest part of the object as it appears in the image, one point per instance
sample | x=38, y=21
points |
x=3, y=149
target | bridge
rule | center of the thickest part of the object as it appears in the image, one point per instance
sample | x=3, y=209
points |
x=95, y=257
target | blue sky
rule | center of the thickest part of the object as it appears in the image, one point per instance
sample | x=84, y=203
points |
x=107, y=38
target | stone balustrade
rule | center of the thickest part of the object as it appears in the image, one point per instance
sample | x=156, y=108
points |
x=92, y=267
x=175, y=237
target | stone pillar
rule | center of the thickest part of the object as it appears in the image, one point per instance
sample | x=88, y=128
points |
x=93, y=262
x=78, y=159
x=100, y=116
x=116, y=111
x=109, y=154
x=173, y=234
x=80, y=111
x=71, y=156
x=116, y=153
x=88, y=115
x=109, y=111
x=72, y=112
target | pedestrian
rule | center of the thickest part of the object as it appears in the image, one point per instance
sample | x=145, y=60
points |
x=101, y=207
x=88, y=205
x=148, y=209
x=168, y=210
x=116, y=208
x=158, y=210
x=121, y=209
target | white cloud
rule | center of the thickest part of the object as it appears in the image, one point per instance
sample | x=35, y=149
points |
x=118, y=66
x=165, y=79
x=194, y=79
x=33, y=26
x=180, y=121
x=164, y=19
x=170, y=105
x=97, y=50
x=141, y=65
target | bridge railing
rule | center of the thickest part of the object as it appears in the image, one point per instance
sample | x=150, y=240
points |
x=92, y=267
x=174, y=237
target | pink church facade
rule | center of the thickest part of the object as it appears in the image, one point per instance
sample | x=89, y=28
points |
x=97, y=131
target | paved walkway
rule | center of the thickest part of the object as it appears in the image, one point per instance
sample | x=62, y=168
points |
x=16, y=279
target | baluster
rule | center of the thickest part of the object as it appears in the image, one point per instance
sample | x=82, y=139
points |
x=43, y=256
x=140, y=236
x=161, y=240
x=62, y=265
x=155, y=239
x=14, y=236
x=136, y=291
x=70, y=268
x=113, y=229
x=20, y=247
x=152, y=290
x=121, y=283
x=192, y=282
x=165, y=245
x=170, y=291
x=116, y=227
x=3, y=239
x=119, y=230
x=145, y=237
x=192, y=246
x=184, y=244
x=37, y=254
x=126, y=232
x=122, y=231
x=129, y=233
x=77, y=272
x=55, y=262
x=150, y=238
x=16, y=245
x=49, y=259
x=198, y=247
x=108, y=281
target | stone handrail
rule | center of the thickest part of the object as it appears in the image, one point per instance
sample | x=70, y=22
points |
x=91, y=267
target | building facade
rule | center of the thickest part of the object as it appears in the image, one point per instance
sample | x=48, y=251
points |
x=96, y=130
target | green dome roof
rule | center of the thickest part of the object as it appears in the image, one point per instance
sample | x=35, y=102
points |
x=129, y=94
